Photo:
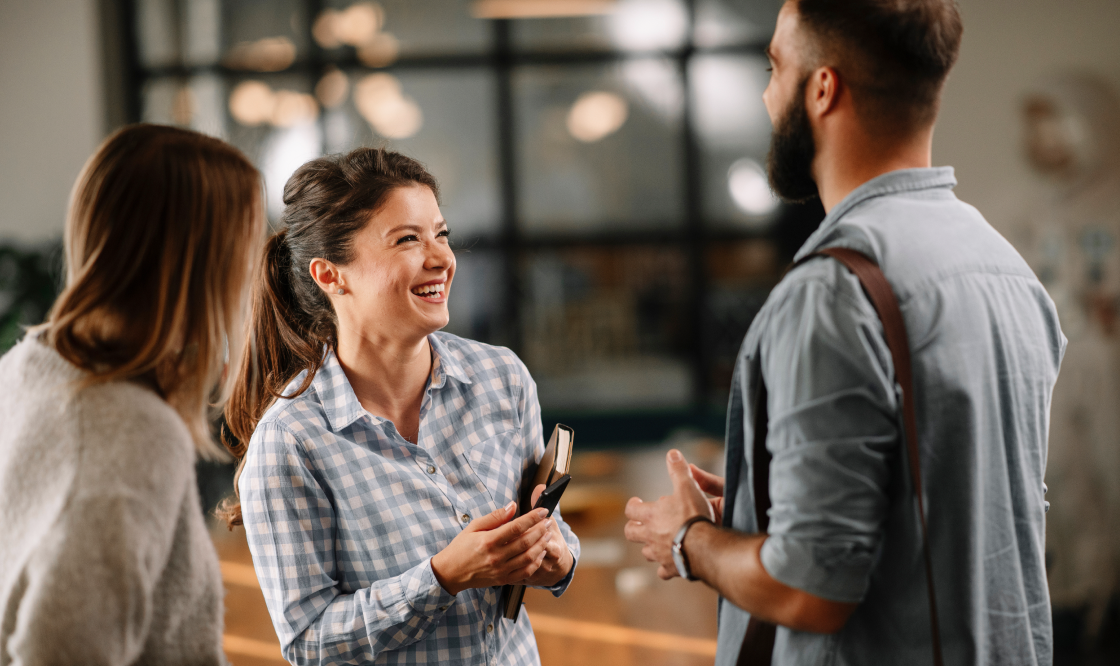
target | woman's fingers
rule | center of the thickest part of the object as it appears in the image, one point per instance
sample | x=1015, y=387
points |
x=516, y=528
x=523, y=574
x=492, y=520
x=536, y=534
x=530, y=558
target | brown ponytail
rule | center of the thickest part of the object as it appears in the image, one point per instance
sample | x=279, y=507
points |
x=326, y=203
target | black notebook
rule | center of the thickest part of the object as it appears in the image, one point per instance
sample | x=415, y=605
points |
x=556, y=463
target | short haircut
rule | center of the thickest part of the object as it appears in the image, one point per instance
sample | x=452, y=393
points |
x=893, y=54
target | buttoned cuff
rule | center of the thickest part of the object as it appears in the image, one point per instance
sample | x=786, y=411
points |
x=424, y=593
x=837, y=573
x=559, y=588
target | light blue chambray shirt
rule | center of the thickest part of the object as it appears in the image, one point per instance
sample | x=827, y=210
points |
x=986, y=348
x=343, y=514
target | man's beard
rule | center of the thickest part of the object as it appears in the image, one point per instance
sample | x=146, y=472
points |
x=792, y=149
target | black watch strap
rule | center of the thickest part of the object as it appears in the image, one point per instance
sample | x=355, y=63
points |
x=684, y=567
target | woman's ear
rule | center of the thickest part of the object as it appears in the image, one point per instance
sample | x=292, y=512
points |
x=325, y=274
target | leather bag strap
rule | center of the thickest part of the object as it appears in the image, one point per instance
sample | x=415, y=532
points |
x=758, y=643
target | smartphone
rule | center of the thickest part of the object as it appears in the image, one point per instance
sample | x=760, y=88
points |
x=551, y=495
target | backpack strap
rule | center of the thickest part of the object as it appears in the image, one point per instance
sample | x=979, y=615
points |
x=758, y=643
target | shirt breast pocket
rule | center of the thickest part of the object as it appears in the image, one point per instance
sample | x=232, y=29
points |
x=498, y=463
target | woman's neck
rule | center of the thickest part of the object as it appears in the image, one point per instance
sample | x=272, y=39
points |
x=388, y=376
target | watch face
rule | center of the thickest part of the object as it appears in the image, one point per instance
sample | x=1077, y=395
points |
x=678, y=559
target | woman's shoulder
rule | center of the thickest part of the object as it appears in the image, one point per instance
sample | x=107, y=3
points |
x=120, y=409
x=121, y=431
x=291, y=417
x=478, y=360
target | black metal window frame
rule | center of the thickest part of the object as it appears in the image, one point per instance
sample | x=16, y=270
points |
x=694, y=235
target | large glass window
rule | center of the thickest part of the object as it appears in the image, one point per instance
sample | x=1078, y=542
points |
x=603, y=174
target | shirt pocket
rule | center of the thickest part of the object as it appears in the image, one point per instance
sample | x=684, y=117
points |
x=498, y=463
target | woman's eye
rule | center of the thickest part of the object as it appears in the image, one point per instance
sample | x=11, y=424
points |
x=445, y=233
x=408, y=238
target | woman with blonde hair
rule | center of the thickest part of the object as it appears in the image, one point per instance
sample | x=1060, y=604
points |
x=105, y=556
x=381, y=456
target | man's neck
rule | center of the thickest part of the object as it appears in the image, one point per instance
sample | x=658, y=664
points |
x=853, y=158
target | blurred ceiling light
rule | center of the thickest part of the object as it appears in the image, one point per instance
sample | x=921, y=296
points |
x=657, y=83
x=356, y=25
x=727, y=102
x=282, y=152
x=293, y=108
x=644, y=25
x=750, y=189
x=324, y=31
x=271, y=54
x=251, y=103
x=332, y=89
x=497, y=9
x=393, y=115
x=381, y=51
x=359, y=23
x=183, y=106
x=596, y=115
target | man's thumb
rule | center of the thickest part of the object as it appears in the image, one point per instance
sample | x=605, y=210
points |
x=678, y=469
x=494, y=519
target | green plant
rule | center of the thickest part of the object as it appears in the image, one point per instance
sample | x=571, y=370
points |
x=30, y=278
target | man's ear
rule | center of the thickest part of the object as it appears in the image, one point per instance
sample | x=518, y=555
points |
x=822, y=93
x=325, y=274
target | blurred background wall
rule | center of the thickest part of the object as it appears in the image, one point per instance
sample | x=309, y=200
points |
x=602, y=177
x=52, y=110
x=1009, y=46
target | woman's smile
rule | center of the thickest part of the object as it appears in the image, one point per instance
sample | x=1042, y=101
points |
x=431, y=292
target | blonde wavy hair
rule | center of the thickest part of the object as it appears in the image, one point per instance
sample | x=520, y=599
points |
x=163, y=230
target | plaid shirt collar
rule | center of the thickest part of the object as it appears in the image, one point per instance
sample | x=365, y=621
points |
x=341, y=405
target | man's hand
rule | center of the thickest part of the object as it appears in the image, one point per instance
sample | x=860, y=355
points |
x=713, y=485
x=557, y=560
x=655, y=524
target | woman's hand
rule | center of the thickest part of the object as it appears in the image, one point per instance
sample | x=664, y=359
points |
x=557, y=561
x=713, y=485
x=493, y=550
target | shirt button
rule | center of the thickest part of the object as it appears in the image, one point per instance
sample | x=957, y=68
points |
x=489, y=628
x=466, y=518
x=431, y=469
x=443, y=608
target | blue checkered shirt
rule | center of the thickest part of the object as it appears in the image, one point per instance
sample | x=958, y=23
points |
x=343, y=514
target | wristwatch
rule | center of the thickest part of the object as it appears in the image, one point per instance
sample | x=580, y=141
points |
x=679, y=558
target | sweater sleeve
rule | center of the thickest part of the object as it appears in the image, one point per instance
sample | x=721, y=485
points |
x=88, y=586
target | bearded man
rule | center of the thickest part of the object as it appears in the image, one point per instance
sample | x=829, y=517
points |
x=840, y=571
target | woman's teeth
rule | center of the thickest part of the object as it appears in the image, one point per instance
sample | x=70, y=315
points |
x=429, y=290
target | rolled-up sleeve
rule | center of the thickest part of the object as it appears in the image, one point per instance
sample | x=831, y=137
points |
x=833, y=434
x=290, y=524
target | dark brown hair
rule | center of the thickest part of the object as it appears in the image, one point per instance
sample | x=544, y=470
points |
x=162, y=227
x=327, y=202
x=894, y=54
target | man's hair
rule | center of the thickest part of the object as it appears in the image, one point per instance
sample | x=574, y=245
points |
x=893, y=54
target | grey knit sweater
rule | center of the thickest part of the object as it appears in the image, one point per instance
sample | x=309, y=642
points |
x=104, y=553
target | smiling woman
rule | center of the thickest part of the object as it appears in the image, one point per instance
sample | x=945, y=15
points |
x=380, y=457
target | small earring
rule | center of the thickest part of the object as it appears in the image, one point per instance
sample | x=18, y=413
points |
x=341, y=291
